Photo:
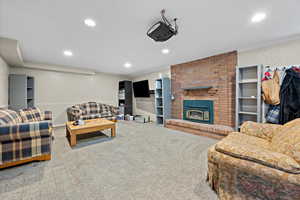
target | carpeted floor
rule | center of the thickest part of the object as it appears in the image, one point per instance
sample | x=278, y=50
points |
x=144, y=161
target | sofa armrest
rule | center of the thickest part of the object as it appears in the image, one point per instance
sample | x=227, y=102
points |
x=261, y=130
x=259, y=155
x=48, y=115
x=115, y=110
x=74, y=113
x=25, y=131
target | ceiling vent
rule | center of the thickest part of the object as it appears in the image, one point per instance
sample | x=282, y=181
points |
x=163, y=30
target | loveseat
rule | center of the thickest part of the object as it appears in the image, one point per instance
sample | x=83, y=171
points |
x=262, y=161
x=92, y=110
x=24, y=136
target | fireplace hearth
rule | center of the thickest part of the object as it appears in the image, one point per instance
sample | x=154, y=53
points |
x=200, y=111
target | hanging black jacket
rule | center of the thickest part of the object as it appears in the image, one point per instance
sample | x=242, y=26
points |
x=290, y=97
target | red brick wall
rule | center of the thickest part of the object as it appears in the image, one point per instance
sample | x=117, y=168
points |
x=217, y=71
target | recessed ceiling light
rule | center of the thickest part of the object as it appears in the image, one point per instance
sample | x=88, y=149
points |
x=68, y=53
x=165, y=51
x=127, y=65
x=89, y=22
x=258, y=17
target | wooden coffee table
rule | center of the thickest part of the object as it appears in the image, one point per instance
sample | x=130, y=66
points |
x=89, y=126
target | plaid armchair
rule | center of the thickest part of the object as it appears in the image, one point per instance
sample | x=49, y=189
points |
x=92, y=110
x=260, y=162
x=24, y=136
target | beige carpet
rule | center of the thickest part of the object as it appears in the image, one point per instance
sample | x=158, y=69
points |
x=144, y=161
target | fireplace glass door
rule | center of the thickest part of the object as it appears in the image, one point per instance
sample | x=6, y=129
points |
x=197, y=115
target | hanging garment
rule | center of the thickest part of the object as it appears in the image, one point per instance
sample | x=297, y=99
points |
x=290, y=97
x=272, y=115
x=271, y=89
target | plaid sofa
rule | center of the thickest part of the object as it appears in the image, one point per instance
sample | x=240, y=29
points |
x=260, y=162
x=92, y=110
x=24, y=135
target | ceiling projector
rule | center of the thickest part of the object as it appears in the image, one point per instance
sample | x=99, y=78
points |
x=163, y=30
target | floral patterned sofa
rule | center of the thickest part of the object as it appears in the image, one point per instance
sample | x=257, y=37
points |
x=92, y=110
x=260, y=162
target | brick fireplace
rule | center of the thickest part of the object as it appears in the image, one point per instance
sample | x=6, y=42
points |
x=210, y=79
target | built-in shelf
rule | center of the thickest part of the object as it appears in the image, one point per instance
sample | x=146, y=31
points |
x=248, y=94
x=248, y=81
x=162, y=100
x=198, y=88
x=247, y=113
x=21, y=91
x=248, y=98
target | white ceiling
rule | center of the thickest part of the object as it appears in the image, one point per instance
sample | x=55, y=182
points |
x=206, y=27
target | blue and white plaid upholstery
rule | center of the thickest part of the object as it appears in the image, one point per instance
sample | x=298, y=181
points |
x=31, y=114
x=92, y=110
x=9, y=117
x=21, y=140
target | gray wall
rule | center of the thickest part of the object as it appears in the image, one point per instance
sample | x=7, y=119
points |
x=4, y=69
x=55, y=91
x=146, y=106
x=286, y=53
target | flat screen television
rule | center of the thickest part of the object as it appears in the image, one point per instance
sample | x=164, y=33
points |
x=141, y=89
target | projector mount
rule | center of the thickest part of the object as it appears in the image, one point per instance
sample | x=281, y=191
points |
x=163, y=30
x=162, y=12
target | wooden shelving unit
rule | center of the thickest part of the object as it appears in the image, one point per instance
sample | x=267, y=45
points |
x=162, y=100
x=248, y=94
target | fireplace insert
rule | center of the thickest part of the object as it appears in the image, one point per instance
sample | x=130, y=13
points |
x=198, y=111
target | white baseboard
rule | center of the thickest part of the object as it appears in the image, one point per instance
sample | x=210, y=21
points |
x=58, y=125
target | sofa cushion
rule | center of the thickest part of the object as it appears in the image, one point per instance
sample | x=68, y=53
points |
x=9, y=117
x=265, y=131
x=90, y=108
x=255, y=153
x=31, y=115
x=287, y=140
x=106, y=114
x=105, y=108
x=242, y=139
x=90, y=116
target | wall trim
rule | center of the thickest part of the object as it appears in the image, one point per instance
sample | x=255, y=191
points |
x=58, y=125
x=58, y=68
